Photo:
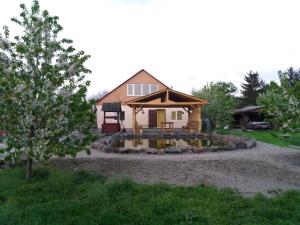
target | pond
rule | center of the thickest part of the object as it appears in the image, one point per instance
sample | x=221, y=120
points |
x=162, y=143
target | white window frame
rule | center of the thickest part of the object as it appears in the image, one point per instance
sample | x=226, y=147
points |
x=157, y=88
x=142, y=89
x=132, y=85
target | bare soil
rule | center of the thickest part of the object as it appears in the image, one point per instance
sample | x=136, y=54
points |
x=267, y=169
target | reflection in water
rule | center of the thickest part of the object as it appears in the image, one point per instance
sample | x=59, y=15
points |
x=161, y=143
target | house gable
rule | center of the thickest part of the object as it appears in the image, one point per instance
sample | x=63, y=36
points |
x=119, y=94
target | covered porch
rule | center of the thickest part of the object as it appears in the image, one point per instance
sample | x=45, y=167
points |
x=162, y=101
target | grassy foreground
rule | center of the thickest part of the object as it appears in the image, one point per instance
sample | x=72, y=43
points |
x=60, y=197
x=268, y=136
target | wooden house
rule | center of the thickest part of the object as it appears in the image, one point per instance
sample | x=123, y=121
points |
x=149, y=103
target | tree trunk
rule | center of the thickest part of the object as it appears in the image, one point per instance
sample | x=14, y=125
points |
x=28, y=168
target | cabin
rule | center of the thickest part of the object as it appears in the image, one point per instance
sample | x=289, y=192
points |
x=146, y=102
x=250, y=117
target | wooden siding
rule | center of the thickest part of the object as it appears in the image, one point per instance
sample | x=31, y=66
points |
x=120, y=93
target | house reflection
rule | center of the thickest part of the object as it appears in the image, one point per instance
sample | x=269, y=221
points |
x=161, y=143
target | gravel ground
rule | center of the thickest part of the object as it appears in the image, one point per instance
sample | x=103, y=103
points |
x=267, y=168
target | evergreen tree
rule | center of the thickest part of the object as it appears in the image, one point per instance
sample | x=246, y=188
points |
x=252, y=87
x=291, y=76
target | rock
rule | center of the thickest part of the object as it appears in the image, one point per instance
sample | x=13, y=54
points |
x=109, y=149
x=250, y=143
x=197, y=150
x=187, y=149
x=95, y=144
x=232, y=146
x=124, y=150
x=240, y=145
x=135, y=151
x=101, y=146
x=161, y=151
x=173, y=150
x=150, y=150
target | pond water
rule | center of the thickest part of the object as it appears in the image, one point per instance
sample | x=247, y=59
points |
x=162, y=143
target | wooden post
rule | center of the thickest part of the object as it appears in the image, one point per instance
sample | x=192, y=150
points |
x=134, y=120
x=199, y=118
x=189, y=114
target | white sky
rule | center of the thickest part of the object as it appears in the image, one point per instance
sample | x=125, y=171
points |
x=183, y=43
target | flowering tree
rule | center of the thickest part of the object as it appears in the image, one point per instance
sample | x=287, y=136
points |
x=221, y=102
x=282, y=108
x=42, y=90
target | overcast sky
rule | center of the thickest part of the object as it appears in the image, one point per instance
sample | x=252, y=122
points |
x=183, y=43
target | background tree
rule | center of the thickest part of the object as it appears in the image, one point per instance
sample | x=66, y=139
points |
x=43, y=108
x=290, y=80
x=221, y=102
x=252, y=87
x=281, y=106
x=99, y=95
x=291, y=76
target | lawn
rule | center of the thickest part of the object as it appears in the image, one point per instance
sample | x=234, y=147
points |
x=268, y=136
x=60, y=198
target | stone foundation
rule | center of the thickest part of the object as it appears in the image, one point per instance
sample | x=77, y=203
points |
x=106, y=144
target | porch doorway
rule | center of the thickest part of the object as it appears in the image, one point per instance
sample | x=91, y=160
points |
x=156, y=116
x=152, y=118
x=161, y=116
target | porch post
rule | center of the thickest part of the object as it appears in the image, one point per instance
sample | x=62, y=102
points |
x=134, y=120
x=199, y=118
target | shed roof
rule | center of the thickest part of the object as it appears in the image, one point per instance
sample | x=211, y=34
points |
x=248, y=109
x=111, y=107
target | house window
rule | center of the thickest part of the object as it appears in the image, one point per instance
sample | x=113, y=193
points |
x=137, y=89
x=177, y=115
x=146, y=88
x=153, y=88
x=129, y=89
x=141, y=89
x=173, y=115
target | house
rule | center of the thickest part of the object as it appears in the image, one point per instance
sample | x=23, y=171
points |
x=149, y=103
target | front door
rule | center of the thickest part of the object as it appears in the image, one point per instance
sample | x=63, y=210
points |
x=152, y=118
x=161, y=116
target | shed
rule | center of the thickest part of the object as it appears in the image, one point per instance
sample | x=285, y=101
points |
x=247, y=114
x=112, y=107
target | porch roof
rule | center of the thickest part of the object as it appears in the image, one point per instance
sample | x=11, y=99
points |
x=167, y=98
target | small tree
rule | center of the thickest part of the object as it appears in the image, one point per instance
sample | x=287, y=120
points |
x=42, y=106
x=221, y=102
x=252, y=87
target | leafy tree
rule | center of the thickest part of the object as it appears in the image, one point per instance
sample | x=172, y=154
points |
x=42, y=86
x=290, y=79
x=221, y=102
x=252, y=87
x=282, y=107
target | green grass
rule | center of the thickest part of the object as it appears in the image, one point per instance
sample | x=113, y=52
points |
x=61, y=198
x=271, y=137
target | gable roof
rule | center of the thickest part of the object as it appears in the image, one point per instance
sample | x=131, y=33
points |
x=168, y=98
x=142, y=70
